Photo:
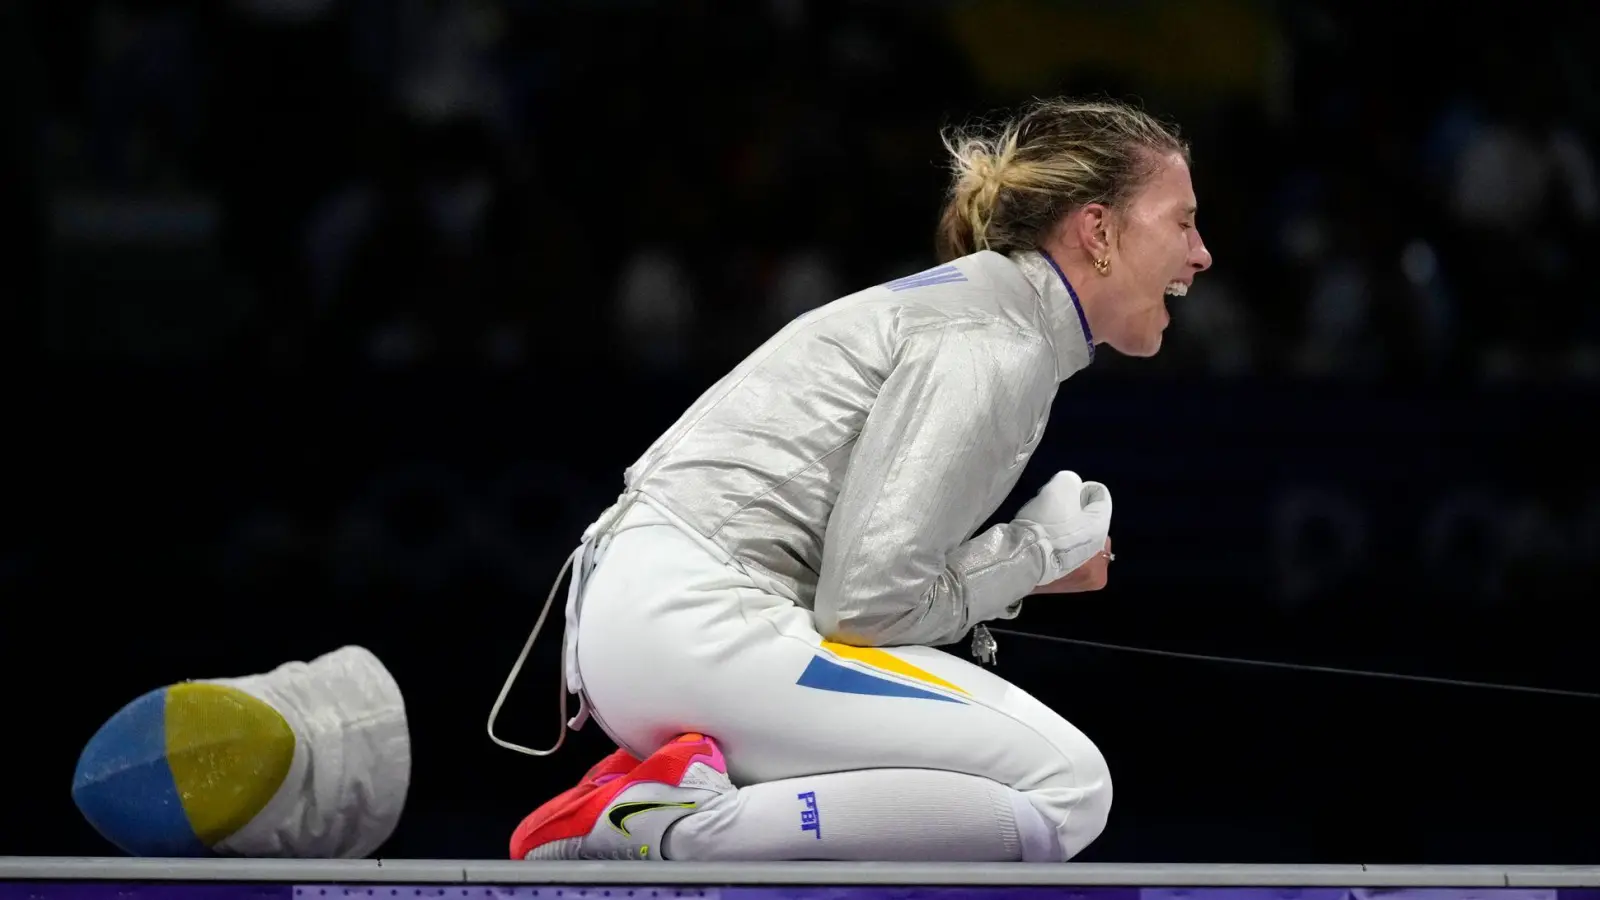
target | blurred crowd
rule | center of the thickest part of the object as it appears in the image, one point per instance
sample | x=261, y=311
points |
x=384, y=184
x=500, y=202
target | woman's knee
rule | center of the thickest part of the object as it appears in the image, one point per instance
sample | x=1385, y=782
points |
x=1076, y=796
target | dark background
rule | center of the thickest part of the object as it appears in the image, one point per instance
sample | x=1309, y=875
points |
x=331, y=322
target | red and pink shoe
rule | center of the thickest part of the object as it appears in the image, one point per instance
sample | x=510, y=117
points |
x=604, y=772
x=622, y=811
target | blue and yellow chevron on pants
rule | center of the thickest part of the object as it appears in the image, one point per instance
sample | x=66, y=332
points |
x=181, y=768
x=824, y=674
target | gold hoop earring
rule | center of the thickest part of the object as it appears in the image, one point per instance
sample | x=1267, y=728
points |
x=1103, y=266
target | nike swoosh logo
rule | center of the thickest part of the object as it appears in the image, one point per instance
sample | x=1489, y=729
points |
x=622, y=812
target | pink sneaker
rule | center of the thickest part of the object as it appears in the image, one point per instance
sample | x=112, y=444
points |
x=626, y=817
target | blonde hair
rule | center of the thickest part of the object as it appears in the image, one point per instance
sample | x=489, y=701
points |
x=1011, y=185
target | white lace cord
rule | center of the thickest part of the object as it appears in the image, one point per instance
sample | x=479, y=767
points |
x=516, y=669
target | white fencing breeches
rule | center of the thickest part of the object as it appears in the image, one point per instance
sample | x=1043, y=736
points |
x=672, y=639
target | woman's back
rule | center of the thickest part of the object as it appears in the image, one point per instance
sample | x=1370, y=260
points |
x=757, y=465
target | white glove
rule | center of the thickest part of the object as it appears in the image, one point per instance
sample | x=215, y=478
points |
x=1072, y=518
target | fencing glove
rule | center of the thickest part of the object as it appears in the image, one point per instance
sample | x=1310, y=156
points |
x=1072, y=519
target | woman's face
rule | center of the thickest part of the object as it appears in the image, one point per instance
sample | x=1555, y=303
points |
x=1155, y=250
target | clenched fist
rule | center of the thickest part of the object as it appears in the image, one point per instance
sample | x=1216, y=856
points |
x=1072, y=520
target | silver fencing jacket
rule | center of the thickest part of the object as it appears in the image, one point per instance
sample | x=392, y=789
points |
x=850, y=459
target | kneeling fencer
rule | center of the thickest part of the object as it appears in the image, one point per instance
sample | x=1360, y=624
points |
x=753, y=623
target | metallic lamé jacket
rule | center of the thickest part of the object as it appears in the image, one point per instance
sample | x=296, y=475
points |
x=850, y=459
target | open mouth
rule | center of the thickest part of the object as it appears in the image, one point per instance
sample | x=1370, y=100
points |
x=1177, y=289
